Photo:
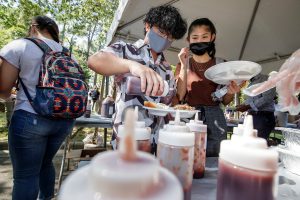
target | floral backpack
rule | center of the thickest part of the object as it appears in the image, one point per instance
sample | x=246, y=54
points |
x=61, y=91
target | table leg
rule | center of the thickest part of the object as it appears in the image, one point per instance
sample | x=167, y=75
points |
x=63, y=161
x=105, y=137
x=68, y=151
x=159, y=124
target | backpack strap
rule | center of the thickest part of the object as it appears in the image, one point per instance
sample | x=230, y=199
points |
x=26, y=91
x=41, y=44
x=66, y=51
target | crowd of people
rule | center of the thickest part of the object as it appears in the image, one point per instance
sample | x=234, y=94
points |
x=34, y=138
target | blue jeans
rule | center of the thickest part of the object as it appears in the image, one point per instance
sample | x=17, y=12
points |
x=33, y=142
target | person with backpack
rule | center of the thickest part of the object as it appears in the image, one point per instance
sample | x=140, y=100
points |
x=52, y=92
x=94, y=95
x=195, y=89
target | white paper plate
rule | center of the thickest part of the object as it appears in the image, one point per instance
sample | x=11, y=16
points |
x=184, y=114
x=158, y=111
x=238, y=71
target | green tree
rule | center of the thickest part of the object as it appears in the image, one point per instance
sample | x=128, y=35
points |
x=79, y=20
x=15, y=17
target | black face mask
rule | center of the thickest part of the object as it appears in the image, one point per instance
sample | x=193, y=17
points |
x=201, y=48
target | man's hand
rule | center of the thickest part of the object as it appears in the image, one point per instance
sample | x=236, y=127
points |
x=109, y=98
x=151, y=82
x=242, y=108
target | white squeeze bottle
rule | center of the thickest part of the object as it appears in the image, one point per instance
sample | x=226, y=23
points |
x=175, y=152
x=200, y=130
x=125, y=174
x=247, y=168
x=142, y=134
x=238, y=132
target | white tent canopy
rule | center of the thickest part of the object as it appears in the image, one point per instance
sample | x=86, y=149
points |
x=263, y=31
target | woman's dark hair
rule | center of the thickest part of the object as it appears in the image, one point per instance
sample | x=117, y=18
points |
x=210, y=27
x=46, y=23
x=168, y=19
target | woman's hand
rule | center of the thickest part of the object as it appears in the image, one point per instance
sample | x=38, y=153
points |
x=183, y=56
x=234, y=87
x=151, y=82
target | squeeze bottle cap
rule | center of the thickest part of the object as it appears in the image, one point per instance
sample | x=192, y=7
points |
x=248, y=150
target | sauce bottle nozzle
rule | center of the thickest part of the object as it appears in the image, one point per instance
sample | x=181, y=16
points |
x=136, y=113
x=128, y=146
x=177, y=118
x=248, y=126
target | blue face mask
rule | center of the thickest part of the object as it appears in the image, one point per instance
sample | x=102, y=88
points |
x=158, y=43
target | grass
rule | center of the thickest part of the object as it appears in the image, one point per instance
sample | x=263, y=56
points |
x=3, y=127
x=83, y=132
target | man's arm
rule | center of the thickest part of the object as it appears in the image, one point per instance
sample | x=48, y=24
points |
x=8, y=78
x=108, y=64
x=261, y=100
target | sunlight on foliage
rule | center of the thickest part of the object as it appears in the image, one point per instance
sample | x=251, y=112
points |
x=83, y=23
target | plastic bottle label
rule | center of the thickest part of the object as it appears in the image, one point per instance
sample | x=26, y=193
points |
x=221, y=92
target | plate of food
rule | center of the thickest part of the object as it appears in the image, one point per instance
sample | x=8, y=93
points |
x=157, y=109
x=238, y=71
x=185, y=111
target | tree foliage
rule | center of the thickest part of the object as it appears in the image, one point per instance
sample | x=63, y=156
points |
x=83, y=23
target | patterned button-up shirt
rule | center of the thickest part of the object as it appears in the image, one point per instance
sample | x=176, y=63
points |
x=140, y=53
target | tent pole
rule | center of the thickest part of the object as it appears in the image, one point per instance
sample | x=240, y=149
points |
x=249, y=29
x=273, y=59
x=237, y=96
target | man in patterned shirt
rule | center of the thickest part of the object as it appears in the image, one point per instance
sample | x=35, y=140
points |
x=144, y=59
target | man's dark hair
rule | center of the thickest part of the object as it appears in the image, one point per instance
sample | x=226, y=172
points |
x=168, y=19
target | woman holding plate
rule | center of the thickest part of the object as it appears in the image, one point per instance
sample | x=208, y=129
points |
x=196, y=90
